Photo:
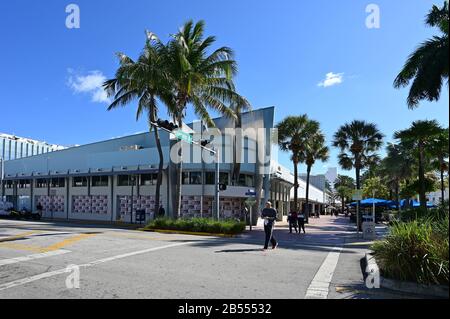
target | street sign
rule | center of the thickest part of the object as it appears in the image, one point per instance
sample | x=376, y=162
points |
x=250, y=193
x=357, y=195
x=184, y=136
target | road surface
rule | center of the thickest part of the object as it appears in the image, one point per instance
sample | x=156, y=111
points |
x=43, y=260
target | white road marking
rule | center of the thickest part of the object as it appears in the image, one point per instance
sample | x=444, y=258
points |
x=27, y=280
x=15, y=260
x=320, y=285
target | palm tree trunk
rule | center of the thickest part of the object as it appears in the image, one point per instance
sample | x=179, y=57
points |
x=441, y=162
x=308, y=174
x=179, y=173
x=161, y=163
x=296, y=185
x=422, y=193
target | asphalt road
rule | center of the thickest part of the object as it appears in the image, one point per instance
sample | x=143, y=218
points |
x=115, y=263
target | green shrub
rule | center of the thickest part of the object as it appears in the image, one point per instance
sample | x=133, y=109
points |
x=416, y=251
x=198, y=225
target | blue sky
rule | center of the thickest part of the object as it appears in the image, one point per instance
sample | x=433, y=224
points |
x=284, y=49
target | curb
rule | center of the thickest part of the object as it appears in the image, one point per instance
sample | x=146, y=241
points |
x=180, y=232
x=439, y=291
x=116, y=224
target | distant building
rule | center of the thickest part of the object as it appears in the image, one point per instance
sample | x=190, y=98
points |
x=13, y=147
x=436, y=197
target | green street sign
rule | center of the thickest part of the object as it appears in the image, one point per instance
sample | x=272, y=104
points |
x=182, y=136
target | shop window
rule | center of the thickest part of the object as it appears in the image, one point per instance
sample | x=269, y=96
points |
x=100, y=181
x=80, y=182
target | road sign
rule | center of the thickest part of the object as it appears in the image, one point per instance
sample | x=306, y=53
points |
x=250, y=193
x=357, y=195
x=184, y=136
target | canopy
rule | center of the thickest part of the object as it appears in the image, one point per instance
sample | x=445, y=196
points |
x=414, y=203
x=369, y=202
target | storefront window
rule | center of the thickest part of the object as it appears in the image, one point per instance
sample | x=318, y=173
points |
x=80, y=182
x=100, y=181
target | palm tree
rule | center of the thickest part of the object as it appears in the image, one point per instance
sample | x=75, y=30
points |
x=358, y=142
x=315, y=150
x=420, y=136
x=344, y=186
x=396, y=167
x=200, y=79
x=440, y=150
x=293, y=134
x=146, y=81
x=427, y=67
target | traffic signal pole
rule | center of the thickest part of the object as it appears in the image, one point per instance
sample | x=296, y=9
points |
x=217, y=184
x=216, y=153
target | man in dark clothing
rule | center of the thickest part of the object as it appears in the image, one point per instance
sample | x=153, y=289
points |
x=301, y=222
x=292, y=220
x=162, y=212
x=39, y=209
x=269, y=215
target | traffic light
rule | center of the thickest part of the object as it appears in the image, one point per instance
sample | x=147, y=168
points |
x=167, y=125
x=222, y=187
x=204, y=143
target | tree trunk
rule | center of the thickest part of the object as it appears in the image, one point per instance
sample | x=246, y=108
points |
x=422, y=193
x=161, y=163
x=296, y=186
x=179, y=174
x=308, y=173
x=441, y=162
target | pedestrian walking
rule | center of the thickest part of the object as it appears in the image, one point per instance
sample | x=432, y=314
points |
x=293, y=221
x=301, y=223
x=269, y=215
x=39, y=209
x=162, y=212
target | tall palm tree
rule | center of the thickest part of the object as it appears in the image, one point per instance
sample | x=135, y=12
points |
x=427, y=66
x=358, y=142
x=440, y=150
x=293, y=134
x=420, y=136
x=200, y=79
x=344, y=185
x=143, y=80
x=315, y=150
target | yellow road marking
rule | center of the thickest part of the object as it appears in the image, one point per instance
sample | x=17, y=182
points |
x=68, y=241
x=23, y=247
x=18, y=236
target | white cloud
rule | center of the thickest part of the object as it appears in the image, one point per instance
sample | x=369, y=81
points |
x=90, y=83
x=332, y=79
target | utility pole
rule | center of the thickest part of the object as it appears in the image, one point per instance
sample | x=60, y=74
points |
x=2, y=172
x=170, y=128
x=218, y=184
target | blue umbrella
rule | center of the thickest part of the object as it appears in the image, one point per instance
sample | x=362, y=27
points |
x=369, y=202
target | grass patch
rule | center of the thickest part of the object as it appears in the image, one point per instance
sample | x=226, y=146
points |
x=198, y=225
x=416, y=251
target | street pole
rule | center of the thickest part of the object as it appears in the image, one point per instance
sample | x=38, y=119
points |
x=357, y=218
x=132, y=198
x=373, y=208
x=218, y=184
x=2, y=170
